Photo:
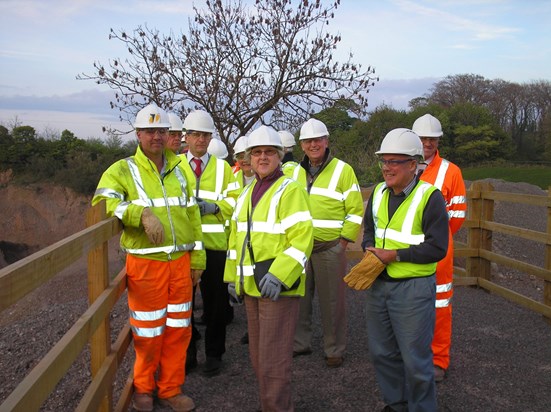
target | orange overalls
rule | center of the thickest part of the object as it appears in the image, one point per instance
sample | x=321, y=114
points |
x=159, y=299
x=447, y=177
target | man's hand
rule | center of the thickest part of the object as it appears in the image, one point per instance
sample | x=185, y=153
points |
x=270, y=286
x=385, y=255
x=196, y=275
x=153, y=227
x=206, y=208
x=235, y=299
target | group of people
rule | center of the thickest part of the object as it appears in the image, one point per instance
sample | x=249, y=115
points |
x=271, y=233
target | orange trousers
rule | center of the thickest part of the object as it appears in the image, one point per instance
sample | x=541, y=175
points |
x=441, y=342
x=159, y=299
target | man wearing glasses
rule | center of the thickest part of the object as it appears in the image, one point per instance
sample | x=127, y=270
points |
x=213, y=178
x=406, y=227
x=162, y=238
x=336, y=206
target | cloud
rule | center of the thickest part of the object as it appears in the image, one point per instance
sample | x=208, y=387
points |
x=397, y=93
x=83, y=101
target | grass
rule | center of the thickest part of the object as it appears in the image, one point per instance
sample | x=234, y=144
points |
x=536, y=175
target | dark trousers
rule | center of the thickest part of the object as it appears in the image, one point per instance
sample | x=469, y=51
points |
x=215, y=303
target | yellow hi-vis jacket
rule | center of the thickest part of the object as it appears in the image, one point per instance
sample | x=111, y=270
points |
x=404, y=229
x=281, y=228
x=213, y=186
x=131, y=184
x=291, y=169
x=335, y=201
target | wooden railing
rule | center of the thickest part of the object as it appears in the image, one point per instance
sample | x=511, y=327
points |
x=22, y=277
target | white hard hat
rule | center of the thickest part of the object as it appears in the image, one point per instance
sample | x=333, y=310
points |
x=264, y=136
x=152, y=116
x=427, y=126
x=401, y=141
x=175, y=122
x=217, y=148
x=240, y=145
x=313, y=128
x=199, y=121
x=287, y=138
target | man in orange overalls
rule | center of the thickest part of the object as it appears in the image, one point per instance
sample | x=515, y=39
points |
x=153, y=196
x=447, y=177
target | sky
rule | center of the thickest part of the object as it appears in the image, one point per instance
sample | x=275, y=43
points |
x=44, y=45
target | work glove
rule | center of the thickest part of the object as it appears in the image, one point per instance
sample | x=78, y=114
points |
x=153, y=227
x=270, y=286
x=206, y=208
x=235, y=299
x=363, y=275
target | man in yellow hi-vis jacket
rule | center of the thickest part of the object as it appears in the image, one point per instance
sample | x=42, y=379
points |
x=337, y=209
x=152, y=196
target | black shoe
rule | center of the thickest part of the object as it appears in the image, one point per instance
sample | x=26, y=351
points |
x=302, y=352
x=245, y=339
x=212, y=366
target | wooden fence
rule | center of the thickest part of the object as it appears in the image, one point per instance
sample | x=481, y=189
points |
x=22, y=277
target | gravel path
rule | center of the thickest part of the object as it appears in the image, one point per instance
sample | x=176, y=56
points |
x=500, y=361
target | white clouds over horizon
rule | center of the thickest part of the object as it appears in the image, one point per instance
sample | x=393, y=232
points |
x=412, y=44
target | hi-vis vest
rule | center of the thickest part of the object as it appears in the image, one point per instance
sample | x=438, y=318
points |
x=335, y=200
x=404, y=229
x=291, y=169
x=213, y=186
x=133, y=183
x=281, y=228
x=447, y=177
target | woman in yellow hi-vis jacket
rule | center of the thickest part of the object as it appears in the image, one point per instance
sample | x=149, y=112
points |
x=271, y=238
x=153, y=197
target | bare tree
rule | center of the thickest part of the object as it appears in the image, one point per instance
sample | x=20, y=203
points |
x=271, y=63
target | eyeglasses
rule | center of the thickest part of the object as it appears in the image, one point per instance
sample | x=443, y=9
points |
x=240, y=156
x=152, y=131
x=393, y=162
x=175, y=134
x=198, y=135
x=267, y=152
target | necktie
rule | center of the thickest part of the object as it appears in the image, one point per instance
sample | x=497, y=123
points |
x=197, y=168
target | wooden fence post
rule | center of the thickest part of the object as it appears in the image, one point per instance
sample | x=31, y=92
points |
x=546, y=283
x=98, y=281
x=480, y=209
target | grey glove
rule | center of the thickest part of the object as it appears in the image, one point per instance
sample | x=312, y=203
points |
x=270, y=286
x=234, y=298
x=207, y=208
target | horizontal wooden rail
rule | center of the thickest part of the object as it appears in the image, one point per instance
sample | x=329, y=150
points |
x=25, y=275
x=35, y=388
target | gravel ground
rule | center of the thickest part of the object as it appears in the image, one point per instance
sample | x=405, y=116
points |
x=500, y=361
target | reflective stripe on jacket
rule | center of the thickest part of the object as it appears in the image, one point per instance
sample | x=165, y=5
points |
x=404, y=229
x=335, y=200
x=281, y=228
x=212, y=186
x=131, y=184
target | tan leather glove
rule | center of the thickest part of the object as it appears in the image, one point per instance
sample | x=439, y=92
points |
x=153, y=227
x=363, y=275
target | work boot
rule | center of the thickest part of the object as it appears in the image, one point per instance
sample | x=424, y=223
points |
x=439, y=374
x=179, y=403
x=142, y=402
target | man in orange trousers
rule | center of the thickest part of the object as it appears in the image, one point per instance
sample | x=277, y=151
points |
x=447, y=177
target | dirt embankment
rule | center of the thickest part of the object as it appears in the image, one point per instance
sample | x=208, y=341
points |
x=37, y=216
